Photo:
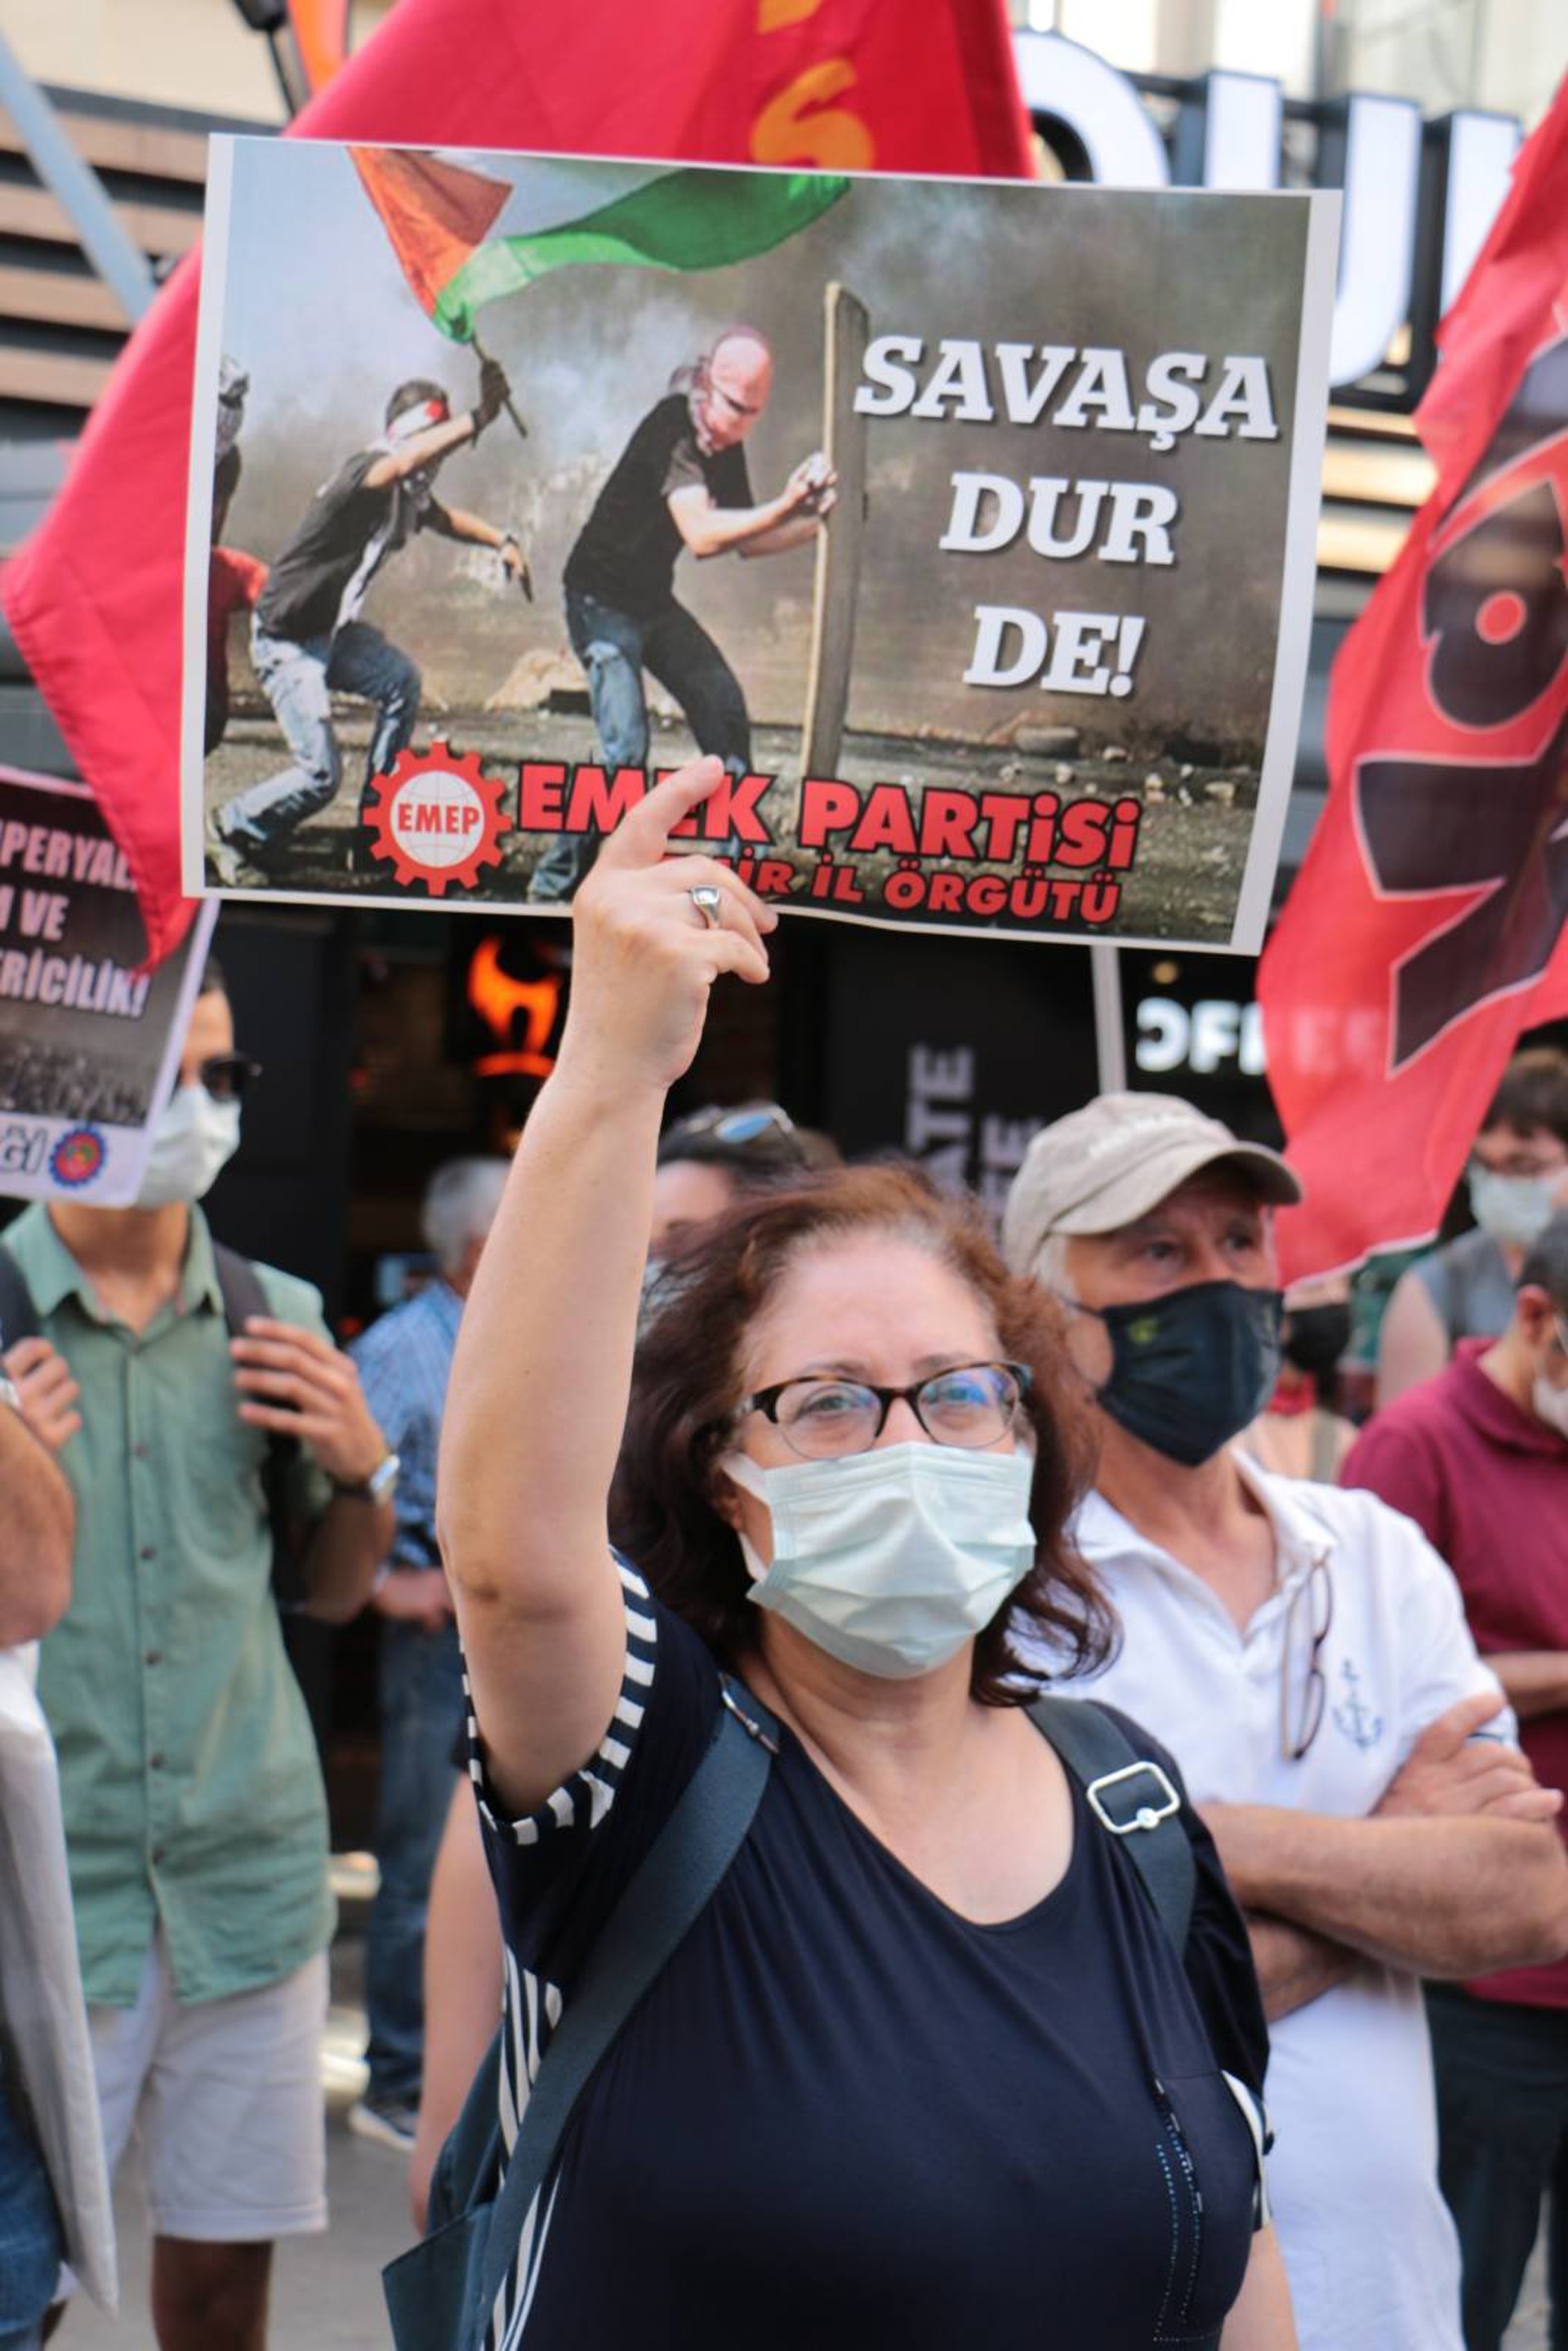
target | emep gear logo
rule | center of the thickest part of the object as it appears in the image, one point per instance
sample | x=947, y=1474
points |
x=78, y=1158
x=436, y=819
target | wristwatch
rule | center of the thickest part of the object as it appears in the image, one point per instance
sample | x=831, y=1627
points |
x=379, y=1486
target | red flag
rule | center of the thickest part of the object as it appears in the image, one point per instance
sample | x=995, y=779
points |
x=436, y=214
x=1425, y=928
x=94, y=597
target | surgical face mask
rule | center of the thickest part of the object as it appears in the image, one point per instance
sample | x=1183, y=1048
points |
x=192, y=1143
x=892, y=1560
x=1551, y=1405
x=1551, y=1402
x=1190, y=1370
x=1514, y=1209
x=1315, y=1337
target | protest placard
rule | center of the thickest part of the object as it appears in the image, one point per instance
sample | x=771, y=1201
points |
x=971, y=525
x=89, y=1043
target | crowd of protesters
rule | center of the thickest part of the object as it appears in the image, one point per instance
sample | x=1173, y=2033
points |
x=731, y=1434
x=60, y=1082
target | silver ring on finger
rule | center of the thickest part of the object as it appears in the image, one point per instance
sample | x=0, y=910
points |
x=708, y=900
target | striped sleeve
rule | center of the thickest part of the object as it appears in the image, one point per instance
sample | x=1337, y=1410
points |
x=561, y=1869
x=1255, y=2114
x=584, y=1800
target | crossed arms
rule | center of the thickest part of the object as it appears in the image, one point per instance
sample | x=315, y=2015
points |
x=1459, y=1870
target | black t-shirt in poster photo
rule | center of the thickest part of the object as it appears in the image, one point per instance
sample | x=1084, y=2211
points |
x=626, y=551
x=324, y=573
x=845, y=2113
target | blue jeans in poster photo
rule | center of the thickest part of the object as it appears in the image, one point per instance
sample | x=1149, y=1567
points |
x=31, y=2246
x=300, y=681
x=1502, y=2149
x=614, y=650
x=421, y=1719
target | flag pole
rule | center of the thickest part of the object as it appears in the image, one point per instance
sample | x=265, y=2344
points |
x=1110, y=1037
x=481, y=354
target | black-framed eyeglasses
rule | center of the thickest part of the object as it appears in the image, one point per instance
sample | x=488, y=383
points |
x=1301, y=1722
x=228, y=1077
x=822, y=1418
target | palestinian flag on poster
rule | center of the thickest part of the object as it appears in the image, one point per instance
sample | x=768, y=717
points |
x=439, y=217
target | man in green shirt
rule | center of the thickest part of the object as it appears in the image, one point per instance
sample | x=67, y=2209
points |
x=195, y=1817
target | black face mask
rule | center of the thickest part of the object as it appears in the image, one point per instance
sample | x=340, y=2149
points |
x=1316, y=1337
x=1190, y=1370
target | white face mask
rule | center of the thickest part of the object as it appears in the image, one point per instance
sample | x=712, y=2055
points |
x=1514, y=1209
x=1551, y=1403
x=192, y=1143
x=892, y=1560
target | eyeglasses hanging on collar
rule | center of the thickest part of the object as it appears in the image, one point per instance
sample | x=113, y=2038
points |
x=1301, y=1705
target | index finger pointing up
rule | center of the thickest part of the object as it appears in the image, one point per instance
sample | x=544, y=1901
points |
x=642, y=838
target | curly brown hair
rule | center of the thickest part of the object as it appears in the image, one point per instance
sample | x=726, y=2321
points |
x=687, y=1381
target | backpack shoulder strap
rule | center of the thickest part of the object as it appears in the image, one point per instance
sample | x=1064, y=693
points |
x=239, y=1287
x=18, y=1315
x=1133, y=1799
x=676, y=1879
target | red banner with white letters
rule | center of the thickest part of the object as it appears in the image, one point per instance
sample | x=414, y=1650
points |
x=1426, y=927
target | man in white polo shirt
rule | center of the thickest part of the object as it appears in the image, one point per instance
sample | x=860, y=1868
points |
x=1302, y=1652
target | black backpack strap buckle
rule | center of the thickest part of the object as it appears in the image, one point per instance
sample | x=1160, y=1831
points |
x=1139, y=1796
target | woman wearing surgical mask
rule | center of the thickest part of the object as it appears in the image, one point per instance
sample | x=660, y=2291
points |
x=707, y=1162
x=1516, y=1180
x=926, y=2069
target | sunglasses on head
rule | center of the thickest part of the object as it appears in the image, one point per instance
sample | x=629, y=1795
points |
x=228, y=1077
x=742, y=1125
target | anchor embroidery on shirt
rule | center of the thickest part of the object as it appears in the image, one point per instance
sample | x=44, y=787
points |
x=1354, y=1718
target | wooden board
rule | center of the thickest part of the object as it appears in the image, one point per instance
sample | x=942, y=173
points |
x=840, y=543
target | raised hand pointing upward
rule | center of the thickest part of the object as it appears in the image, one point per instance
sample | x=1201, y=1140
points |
x=645, y=956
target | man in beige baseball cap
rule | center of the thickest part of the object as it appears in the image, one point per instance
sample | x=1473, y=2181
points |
x=1117, y=1157
x=1301, y=1652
